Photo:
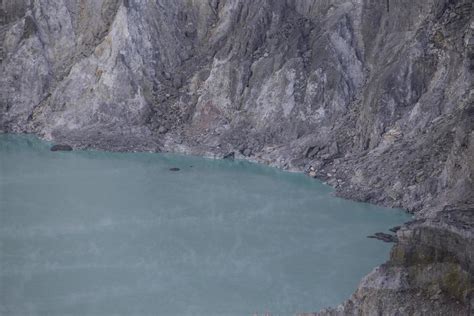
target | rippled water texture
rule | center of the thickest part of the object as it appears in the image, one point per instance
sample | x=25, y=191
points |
x=95, y=233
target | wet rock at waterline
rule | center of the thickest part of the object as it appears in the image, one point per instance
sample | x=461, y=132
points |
x=229, y=156
x=384, y=237
x=395, y=229
x=61, y=147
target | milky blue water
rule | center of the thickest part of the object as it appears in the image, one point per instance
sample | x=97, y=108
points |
x=95, y=233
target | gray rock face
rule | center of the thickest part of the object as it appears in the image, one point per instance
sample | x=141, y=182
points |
x=430, y=271
x=374, y=97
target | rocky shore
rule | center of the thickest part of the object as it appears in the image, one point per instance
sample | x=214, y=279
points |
x=429, y=271
x=373, y=97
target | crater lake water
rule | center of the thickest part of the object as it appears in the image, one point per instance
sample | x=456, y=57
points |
x=97, y=233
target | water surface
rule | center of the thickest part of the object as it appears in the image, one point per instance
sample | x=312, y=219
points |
x=95, y=233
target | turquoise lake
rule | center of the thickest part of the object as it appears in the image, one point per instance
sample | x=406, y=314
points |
x=96, y=233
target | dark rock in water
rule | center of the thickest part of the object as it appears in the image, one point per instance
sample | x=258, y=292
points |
x=384, y=237
x=175, y=169
x=395, y=229
x=229, y=156
x=61, y=147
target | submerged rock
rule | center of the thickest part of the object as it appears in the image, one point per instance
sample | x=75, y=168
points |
x=61, y=147
x=384, y=237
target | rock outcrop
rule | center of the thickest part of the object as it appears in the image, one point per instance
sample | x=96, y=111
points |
x=430, y=271
x=374, y=97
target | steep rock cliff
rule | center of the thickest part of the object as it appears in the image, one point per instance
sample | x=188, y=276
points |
x=374, y=97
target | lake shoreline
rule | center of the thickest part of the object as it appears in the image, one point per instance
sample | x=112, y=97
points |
x=396, y=285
